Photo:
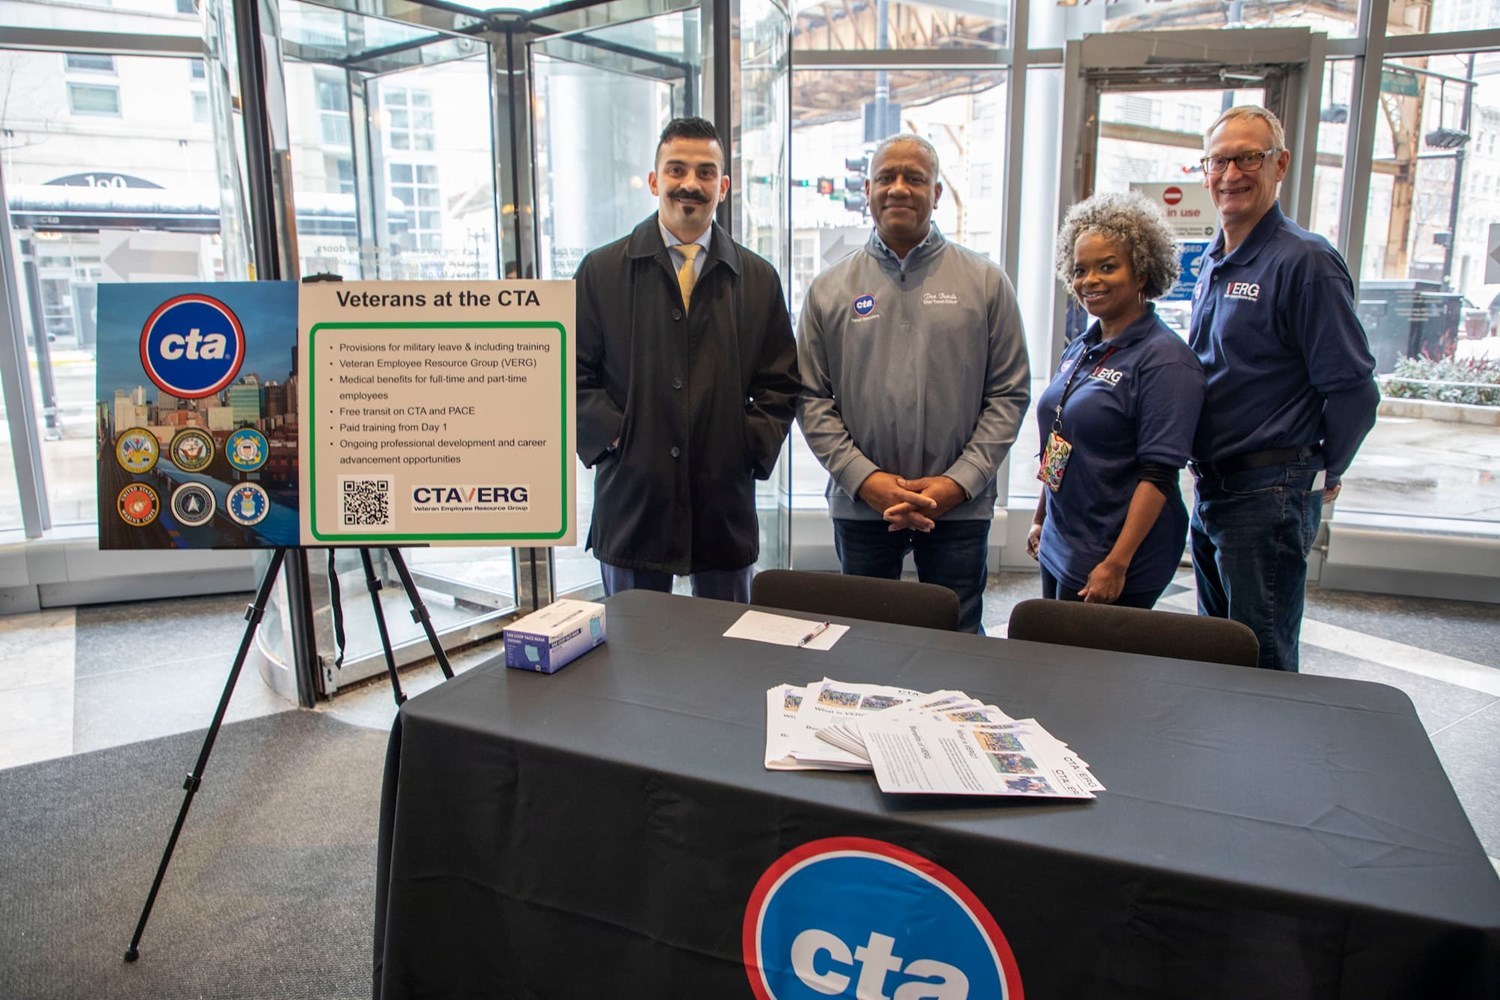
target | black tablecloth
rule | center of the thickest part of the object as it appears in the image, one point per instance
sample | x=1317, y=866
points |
x=597, y=832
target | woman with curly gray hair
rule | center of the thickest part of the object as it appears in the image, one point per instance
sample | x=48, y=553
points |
x=1117, y=421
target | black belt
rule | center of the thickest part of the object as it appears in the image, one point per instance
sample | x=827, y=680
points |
x=1253, y=460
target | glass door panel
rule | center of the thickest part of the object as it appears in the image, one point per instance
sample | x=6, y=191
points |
x=601, y=97
x=112, y=173
x=1149, y=138
x=759, y=193
x=392, y=170
x=1138, y=131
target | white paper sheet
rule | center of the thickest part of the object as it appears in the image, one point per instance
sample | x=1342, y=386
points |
x=782, y=630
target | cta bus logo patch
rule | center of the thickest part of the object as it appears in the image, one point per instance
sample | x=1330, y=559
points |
x=138, y=505
x=864, y=305
x=854, y=917
x=192, y=346
x=137, y=450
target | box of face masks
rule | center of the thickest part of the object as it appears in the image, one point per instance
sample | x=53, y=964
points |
x=549, y=639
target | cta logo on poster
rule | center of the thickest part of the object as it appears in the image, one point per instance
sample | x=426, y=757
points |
x=444, y=499
x=192, y=346
x=854, y=917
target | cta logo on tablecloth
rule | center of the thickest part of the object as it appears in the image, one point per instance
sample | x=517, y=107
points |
x=853, y=917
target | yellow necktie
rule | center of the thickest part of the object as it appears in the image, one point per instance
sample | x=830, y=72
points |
x=687, y=275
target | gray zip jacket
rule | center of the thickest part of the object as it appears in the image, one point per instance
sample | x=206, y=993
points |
x=914, y=367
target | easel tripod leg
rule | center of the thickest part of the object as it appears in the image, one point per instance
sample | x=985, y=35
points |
x=419, y=611
x=253, y=614
x=373, y=582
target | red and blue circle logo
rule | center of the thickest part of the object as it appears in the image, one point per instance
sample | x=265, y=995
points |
x=192, y=346
x=864, y=305
x=854, y=917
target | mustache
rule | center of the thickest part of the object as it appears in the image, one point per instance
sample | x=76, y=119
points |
x=693, y=196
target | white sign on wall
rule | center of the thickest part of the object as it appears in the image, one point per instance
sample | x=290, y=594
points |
x=1187, y=206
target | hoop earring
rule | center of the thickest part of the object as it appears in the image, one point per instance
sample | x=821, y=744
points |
x=1140, y=296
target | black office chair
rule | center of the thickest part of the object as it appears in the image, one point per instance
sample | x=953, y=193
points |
x=1134, y=630
x=900, y=602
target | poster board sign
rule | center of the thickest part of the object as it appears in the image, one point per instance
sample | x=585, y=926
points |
x=1188, y=207
x=437, y=413
x=197, y=415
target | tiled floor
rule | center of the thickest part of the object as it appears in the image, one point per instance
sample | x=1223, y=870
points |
x=82, y=679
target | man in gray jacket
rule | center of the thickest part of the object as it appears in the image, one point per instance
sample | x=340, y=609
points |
x=914, y=382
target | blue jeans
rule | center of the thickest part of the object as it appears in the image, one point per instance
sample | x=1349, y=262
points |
x=1054, y=589
x=1251, y=533
x=720, y=584
x=954, y=554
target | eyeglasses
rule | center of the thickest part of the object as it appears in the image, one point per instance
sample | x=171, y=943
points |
x=1248, y=163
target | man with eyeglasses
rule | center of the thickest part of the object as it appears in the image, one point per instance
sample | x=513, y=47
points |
x=1290, y=388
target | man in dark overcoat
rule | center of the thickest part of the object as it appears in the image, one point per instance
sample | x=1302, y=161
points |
x=687, y=381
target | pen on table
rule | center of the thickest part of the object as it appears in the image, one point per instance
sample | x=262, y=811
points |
x=818, y=630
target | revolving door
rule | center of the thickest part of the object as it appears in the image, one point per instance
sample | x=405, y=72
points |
x=417, y=142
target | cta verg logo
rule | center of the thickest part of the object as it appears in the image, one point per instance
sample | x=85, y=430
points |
x=864, y=305
x=854, y=917
x=192, y=346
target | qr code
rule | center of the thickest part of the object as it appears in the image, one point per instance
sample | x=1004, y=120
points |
x=365, y=503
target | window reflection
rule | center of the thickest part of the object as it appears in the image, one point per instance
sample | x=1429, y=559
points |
x=835, y=25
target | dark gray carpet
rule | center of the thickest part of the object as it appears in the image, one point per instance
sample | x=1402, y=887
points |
x=270, y=893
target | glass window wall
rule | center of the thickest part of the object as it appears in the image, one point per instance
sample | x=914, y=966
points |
x=1429, y=291
x=1333, y=142
x=135, y=197
x=1422, y=17
x=10, y=494
x=124, y=181
x=837, y=26
x=1336, y=18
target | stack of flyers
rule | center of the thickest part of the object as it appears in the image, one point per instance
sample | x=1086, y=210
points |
x=795, y=715
x=951, y=706
x=942, y=743
x=933, y=756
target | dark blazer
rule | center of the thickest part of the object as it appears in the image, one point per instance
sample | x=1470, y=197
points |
x=699, y=403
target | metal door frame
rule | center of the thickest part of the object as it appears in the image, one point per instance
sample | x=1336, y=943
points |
x=1288, y=62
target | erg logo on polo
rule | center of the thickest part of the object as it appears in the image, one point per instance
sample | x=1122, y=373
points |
x=192, y=346
x=1247, y=290
x=864, y=305
x=854, y=917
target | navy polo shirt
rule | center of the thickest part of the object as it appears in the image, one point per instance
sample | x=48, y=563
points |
x=1138, y=407
x=1275, y=329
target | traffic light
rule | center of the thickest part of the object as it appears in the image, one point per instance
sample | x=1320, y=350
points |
x=858, y=168
x=825, y=185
